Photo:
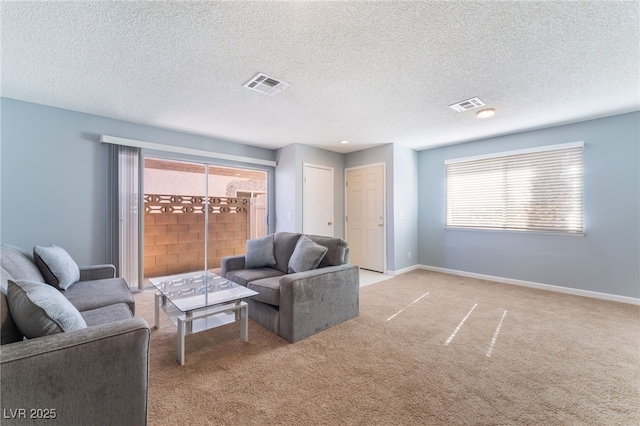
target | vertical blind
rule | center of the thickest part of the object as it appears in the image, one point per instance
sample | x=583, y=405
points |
x=128, y=203
x=538, y=190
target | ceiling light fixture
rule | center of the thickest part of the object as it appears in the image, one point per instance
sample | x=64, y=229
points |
x=344, y=142
x=486, y=113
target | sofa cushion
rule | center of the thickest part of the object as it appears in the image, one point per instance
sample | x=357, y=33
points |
x=306, y=256
x=9, y=332
x=268, y=290
x=337, y=250
x=106, y=314
x=19, y=264
x=259, y=253
x=38, y=309
x=283, y=245
x=87, y=295
x=57, y=266
x=244, y=276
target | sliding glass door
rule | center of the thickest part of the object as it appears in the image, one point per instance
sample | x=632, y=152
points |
x=175, y=195
x=196, y=213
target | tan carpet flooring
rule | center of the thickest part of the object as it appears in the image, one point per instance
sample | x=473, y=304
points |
x=427, y=349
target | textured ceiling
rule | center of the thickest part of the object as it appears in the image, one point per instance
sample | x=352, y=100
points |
x=369, y=72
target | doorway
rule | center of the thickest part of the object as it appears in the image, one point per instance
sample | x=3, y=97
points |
x=365, y=219
x=317, y=200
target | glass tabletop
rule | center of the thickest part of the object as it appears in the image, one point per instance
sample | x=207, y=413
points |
x=196, y=290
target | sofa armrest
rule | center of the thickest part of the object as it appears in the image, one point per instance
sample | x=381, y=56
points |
x=97, y=375
x=97, y=272
x=315, y=300
x=231, y=263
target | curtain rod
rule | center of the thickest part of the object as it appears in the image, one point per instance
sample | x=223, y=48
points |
x=182, y=150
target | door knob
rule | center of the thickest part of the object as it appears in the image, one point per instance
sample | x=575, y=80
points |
x=329, y=223
x=381, y=224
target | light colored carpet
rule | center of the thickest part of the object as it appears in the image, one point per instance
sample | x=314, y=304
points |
x=427, y=349
x=371, y=277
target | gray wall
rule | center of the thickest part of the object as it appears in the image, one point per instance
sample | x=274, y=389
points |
x=605, y=260
x=54, y=174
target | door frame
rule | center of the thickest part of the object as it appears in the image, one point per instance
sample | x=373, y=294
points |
x=384, y=203
x=304, y=182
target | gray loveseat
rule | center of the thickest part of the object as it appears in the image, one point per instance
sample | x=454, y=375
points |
x=300, y=304
x=97, y=375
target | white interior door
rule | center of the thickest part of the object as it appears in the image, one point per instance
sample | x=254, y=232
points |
x=258, y=216
x=365, y=222
x=317, y=200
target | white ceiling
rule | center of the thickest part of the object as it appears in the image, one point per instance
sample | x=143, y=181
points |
x=368, y=72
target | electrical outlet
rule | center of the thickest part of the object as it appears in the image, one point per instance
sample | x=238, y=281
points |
x=288, y=215
x=409, y=255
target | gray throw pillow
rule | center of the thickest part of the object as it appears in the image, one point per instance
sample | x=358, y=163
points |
x=38, y=309
x=57, y=266
x=306, y=256
x=259, y=253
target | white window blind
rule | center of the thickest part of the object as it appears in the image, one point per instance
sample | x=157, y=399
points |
x=537, y=190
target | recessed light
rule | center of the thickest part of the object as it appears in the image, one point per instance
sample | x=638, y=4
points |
x=344, y=142
x=486, y=113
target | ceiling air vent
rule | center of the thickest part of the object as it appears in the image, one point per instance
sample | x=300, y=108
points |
x=264, y=84
x=467, y=105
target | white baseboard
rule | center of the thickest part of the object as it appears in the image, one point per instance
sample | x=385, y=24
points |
x=403, y=270
x=549, y=287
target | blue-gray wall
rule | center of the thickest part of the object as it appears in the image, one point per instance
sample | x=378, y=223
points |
x=287, y=213
x=53, y=176
x=606, y=259
x=53, y=182
x=405, y=202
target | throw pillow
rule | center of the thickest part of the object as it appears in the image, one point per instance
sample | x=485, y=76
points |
x=38, y=309
x=259, y=253
x=306, y=256
x=57, y=266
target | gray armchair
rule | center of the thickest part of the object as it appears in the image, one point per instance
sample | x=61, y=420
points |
x=96, y=375
x=298, y=305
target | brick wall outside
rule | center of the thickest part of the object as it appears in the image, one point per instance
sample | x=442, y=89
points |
x=174, y=237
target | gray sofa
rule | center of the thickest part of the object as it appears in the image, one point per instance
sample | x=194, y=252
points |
x=298, y=305
x=97, y=375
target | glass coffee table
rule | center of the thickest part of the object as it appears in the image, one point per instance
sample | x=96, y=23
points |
x=199, y=301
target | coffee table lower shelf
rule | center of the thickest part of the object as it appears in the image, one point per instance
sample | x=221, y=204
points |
x=202, y=319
